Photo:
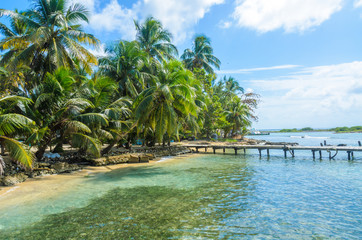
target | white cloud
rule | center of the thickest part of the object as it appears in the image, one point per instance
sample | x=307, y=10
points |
x=113, y=17
x=358, y=3
x=249, y=70
x=225, y=24
x=290, y=15
x=327, y=95
x=178, y=16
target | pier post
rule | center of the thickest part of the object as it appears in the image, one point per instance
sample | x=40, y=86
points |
x=320, y=154
x=267, y=152
x=236, y=151
x=214, y=149
x=206, y=149
x=330, y=155
x=349, y=155
x=313, y=152
x=292, y=153
x=197, y=149
x=285, y=153
x=352, y=155
x=259, y=152
x=223, y=150
x=244, y=151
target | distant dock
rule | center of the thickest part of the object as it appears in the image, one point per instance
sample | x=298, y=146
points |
x=332, y=151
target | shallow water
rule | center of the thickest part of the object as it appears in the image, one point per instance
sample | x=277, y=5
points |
x=203, y=196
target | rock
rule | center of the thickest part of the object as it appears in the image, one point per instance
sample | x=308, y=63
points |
x=109, y=160
x=41, y=172
x=134, y=159
x=63, y=167
x=14, y=179
x=42, y=165
x=144, y=158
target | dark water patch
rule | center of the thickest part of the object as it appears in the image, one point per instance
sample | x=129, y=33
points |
x=137, y=213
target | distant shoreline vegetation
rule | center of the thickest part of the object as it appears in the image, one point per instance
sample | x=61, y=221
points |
x=354, y=129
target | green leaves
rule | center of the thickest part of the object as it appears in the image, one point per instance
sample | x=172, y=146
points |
x=18, y=151
x=201, y=55
x=93, y=118
x=10, y=123
x=48, y=36
x=87, y=143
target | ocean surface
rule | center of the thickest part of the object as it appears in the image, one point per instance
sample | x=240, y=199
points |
x=202, y=196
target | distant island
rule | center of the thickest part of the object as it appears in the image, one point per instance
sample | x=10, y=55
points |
x=354, y=129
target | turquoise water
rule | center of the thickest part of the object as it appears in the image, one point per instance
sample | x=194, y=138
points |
x=202, y=197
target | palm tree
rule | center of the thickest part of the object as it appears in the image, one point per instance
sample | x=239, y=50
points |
x=238, y=115
x=231, y=88
x=102, y=92
x=60, y=115
x=201, y=55
x=155, y=40
x=12, y=125
x=124, y=64
x=53, y=37
x=160, y=106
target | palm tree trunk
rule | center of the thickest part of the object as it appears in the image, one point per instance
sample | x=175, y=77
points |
x=108, y=148
x=40, y=153
x=2, y=149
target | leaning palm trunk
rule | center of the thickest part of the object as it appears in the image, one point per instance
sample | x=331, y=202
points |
x=2, y=166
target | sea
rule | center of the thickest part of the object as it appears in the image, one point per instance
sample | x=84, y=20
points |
x=199, y=196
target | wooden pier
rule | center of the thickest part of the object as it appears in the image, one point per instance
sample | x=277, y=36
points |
x=332, y=151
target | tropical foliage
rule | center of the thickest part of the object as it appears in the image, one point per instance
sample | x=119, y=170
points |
x=201, y=55
x=53, y=96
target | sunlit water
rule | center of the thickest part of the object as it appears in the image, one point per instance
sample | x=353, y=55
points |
x=204, y=197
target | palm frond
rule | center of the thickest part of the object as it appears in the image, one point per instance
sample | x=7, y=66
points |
x=85, y=142
x=18, y=152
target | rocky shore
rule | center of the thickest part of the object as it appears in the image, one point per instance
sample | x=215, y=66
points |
x=70, y=161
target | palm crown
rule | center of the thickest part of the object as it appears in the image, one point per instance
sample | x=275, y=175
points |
x=53, y=37
x=201, y=55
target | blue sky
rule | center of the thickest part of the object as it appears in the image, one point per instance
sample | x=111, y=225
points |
x=304, y=57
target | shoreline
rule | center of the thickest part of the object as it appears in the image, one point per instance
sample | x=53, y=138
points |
x=70, y=162
x=53, y=187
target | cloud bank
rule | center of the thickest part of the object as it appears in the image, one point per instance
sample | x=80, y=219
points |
x=292, y=16
x=317, y=95
x=179, y=17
